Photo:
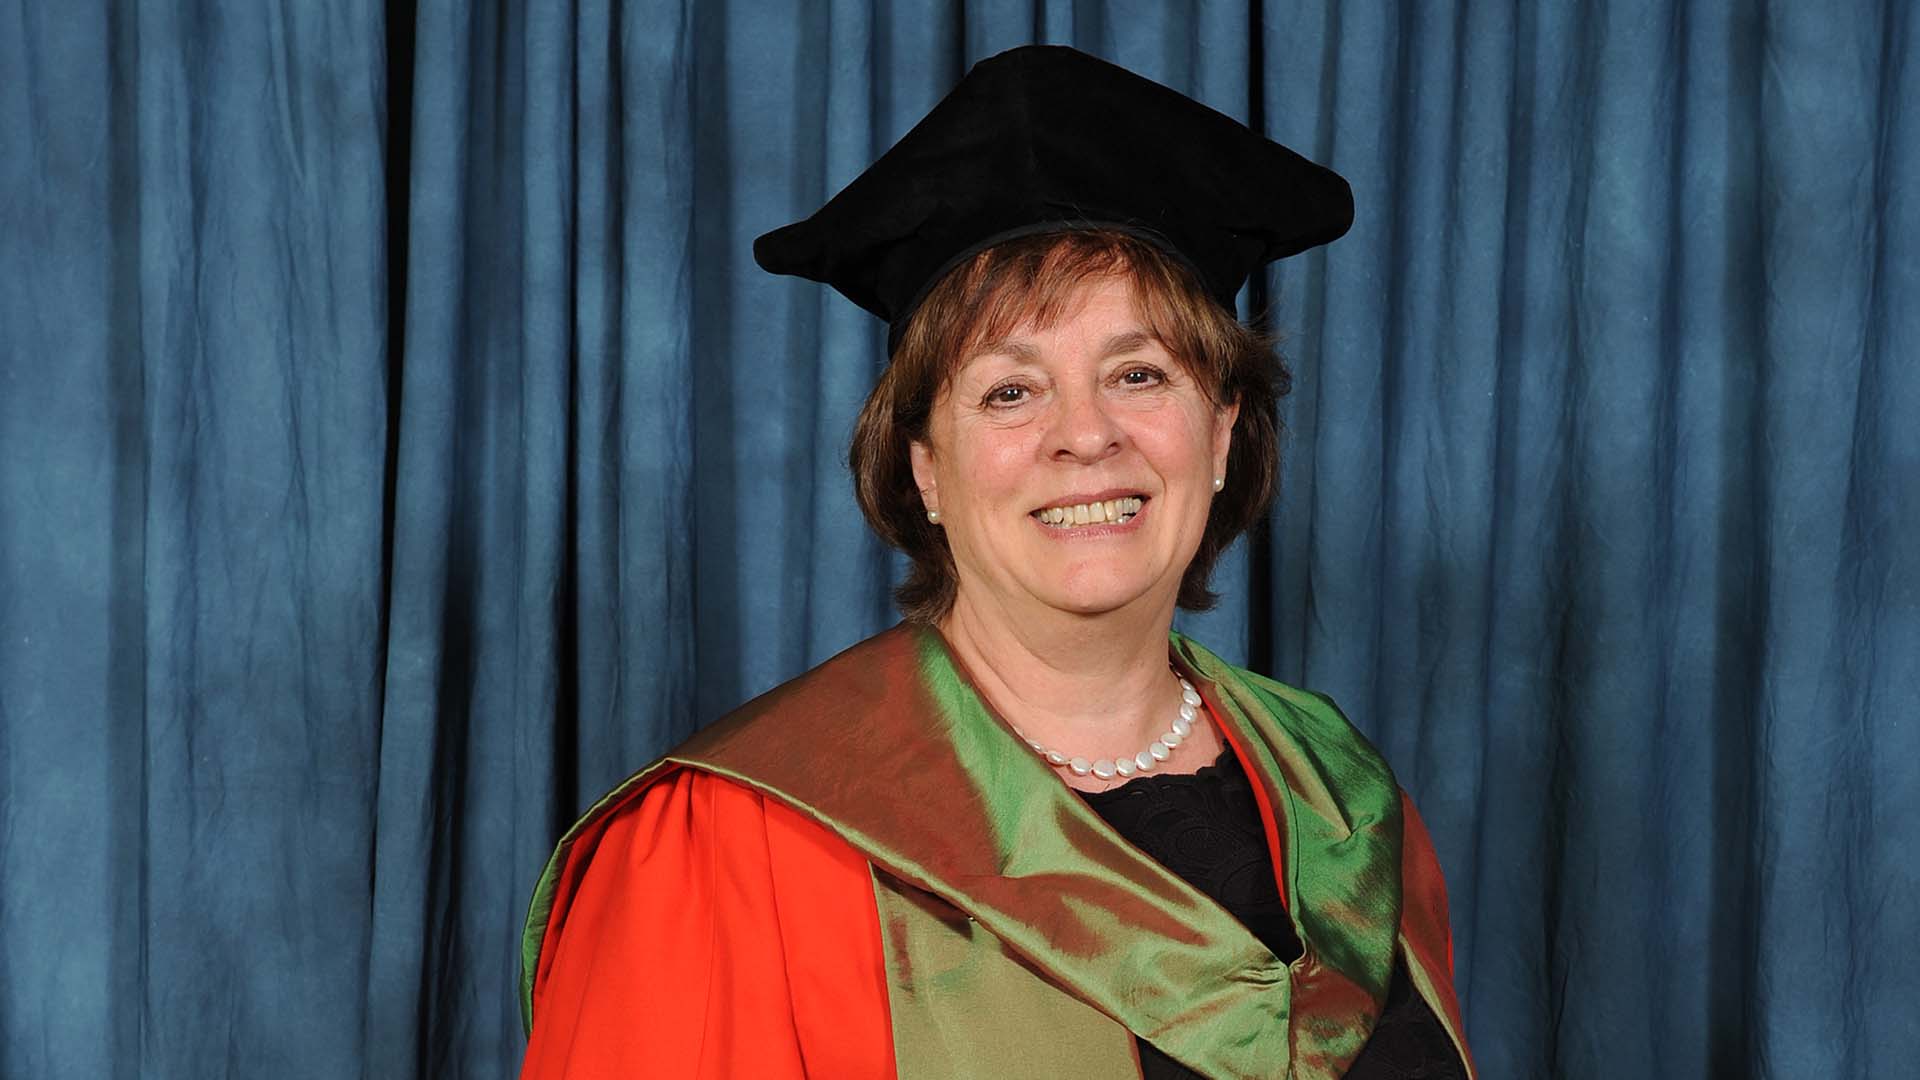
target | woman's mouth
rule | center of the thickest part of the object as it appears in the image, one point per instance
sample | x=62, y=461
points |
x=1079, y=515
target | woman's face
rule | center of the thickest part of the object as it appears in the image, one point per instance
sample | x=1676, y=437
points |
x=1037, y=430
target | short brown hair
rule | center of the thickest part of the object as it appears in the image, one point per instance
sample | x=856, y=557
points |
x=1032, y=279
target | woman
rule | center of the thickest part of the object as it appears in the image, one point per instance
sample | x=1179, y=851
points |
x=1029, y=832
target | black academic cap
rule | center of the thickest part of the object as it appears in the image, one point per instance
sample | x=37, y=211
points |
x=1042, y=138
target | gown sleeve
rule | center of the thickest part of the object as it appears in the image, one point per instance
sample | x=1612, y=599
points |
x=702, y=930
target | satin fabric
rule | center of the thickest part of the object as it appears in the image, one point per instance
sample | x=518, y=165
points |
x=965, y=812
x=749, y=938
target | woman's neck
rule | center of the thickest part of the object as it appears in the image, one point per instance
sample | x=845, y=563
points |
x=1087, y=686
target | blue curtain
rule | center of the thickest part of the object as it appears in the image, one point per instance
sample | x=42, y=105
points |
x=398, y=445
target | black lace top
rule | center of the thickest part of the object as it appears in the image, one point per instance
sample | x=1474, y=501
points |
x=1206, y=828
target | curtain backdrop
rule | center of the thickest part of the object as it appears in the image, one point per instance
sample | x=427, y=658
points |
x=398, y=446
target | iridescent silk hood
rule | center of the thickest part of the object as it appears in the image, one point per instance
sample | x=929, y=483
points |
x=996, y=884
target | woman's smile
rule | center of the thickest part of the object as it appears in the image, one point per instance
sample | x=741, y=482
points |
x=1105, y=514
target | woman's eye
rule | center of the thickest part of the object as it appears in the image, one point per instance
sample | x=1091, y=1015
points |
x=1011, y=394
x=1142, y=376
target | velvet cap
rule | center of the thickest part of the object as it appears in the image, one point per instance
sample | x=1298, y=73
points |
x=1042, y=138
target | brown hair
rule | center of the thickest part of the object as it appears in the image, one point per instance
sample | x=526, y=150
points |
x=1032, y=279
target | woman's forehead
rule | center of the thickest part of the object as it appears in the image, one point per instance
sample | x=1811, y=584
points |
x=1014, y=325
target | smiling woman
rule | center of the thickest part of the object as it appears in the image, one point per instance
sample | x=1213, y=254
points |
x=1064, y=418
x=1030, y=831
x=968, y=323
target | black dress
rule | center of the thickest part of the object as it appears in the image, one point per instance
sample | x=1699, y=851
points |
x=1206, y=828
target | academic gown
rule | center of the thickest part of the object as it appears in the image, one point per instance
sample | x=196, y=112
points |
x=757, y=903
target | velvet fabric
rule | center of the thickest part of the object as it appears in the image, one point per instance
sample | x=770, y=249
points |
x=1045, y=137
x=398, y=446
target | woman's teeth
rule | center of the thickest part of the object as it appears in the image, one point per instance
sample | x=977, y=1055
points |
x=1110, y=512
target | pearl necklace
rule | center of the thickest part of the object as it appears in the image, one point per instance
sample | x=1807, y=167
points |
x=1157, y=751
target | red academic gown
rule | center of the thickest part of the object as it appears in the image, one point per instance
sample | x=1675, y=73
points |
x=715, y=933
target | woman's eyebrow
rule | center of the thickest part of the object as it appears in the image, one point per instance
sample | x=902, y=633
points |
x=1013, y=350
x=1129, y=341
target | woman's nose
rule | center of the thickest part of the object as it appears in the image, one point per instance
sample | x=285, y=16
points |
x=1083, y=429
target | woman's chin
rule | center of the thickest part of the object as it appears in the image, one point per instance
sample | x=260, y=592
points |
x=1095, y=597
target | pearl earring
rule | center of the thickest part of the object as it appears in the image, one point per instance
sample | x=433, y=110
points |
x=933, y=516
x=1219, y=483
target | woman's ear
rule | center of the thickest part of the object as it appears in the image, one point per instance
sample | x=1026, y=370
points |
x=920, y=456
x=1223, y=421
